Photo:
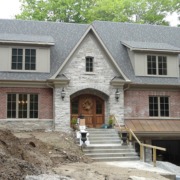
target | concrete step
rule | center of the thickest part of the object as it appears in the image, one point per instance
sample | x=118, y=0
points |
x=108, y=150
x=105, y=141
x=109, y=159
x=106, y=145
x=125, y=154
x=103, y=135
x=101, y=130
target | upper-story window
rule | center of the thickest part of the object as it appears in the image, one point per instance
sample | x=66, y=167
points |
x=156, y=65
x=158, y=106
x=89, y=64
x=23, y=59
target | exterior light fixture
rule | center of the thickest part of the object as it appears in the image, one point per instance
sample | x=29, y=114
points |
x=63, y=94
x=117, y=94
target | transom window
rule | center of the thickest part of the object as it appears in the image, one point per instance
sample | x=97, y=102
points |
x=89, y=64
x=22, y=106
x=23, y=59
x=156, y=65
x=158, y=106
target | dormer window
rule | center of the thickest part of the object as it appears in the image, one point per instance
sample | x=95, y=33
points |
x=23, y=59
x=156, y=65
x=89, y=64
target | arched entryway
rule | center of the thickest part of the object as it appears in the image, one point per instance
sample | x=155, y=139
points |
x=91, y=107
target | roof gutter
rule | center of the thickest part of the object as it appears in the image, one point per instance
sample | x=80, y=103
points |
x=28, y=42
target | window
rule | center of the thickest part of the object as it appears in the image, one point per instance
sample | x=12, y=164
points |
x=22, y=106
x=30, y=59
x=89, y=64
x=17, y=58
x=158, y=106
x=156, y=65
x=23, y=59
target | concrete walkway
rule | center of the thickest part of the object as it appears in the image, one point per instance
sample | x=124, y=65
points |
x=146, y=167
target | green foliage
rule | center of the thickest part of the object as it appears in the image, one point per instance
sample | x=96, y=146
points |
x=110, y=122
x=86, y=11
x=73, y=121
x=55, y=10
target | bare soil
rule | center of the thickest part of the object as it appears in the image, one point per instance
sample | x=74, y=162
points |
x=35, y=153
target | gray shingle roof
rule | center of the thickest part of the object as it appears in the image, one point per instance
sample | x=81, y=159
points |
x=134, y=45
x=31, y=39
x=112, y=33
x=66, y=36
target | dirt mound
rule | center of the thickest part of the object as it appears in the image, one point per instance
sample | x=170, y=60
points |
x=27, y=155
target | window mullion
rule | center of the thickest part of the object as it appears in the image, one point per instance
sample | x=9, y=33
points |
x=159, y=110
x=28, y=105
x=17, y=105
x=23, y=59
x=157, y=67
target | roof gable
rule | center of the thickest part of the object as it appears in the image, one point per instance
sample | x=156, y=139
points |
x=113, y=33
x=91, y=29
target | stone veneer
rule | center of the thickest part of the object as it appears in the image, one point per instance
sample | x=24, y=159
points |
x=97, y=82
x=27, y=125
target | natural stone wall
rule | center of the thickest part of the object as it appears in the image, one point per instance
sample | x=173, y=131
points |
x=26, y=125
x=97, y=82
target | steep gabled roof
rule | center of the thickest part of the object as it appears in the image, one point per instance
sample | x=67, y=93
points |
x=91, y=29
x=113, y=33
x=65, y=36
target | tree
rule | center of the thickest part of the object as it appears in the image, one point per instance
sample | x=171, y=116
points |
x=140, y=11
x=55, y=10
x=86, y=11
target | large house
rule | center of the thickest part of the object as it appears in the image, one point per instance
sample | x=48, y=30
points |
x=52, y=72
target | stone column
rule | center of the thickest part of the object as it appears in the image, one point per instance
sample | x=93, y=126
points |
x=117, y=106
x=62, y=110
x=148, y=152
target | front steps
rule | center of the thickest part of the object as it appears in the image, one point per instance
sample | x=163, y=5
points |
x=105, y=145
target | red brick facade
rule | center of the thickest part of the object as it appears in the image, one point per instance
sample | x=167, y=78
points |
x=136, y=102
x=45, y=100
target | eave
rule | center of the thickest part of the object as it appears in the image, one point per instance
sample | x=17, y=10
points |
x=23, y=83
x=153, y=86
x=27, y=43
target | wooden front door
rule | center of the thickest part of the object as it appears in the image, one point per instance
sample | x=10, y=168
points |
x=89, y=106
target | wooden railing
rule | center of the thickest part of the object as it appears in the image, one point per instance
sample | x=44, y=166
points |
x=142, y=145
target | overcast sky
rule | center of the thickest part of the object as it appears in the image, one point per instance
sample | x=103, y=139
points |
x=9, y=8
